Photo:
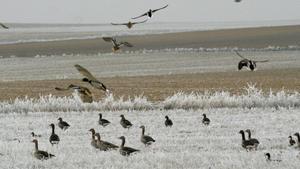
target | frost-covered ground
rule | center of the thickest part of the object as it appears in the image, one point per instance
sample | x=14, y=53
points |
x=188, y=144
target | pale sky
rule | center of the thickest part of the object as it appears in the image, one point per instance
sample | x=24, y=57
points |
x=106, y=11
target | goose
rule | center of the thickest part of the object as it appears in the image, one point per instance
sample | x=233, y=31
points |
x=251, y=64
x=39, y=154
x=129, y=24
x=251, y=139
x=150, y=12
x=104, y=145
x=237, y=0
x=4, y=26
x=268, y=158
x=84, y=93
x=126, y=151
x=147, y=140
x=168, y=122
x=298, y=139
x=54, y=139
x=93, y=142
x=291, y=141
x=205, y=120
x=116, y=45
x=103, y=122
x=35, y=135
x=124, y=122
x=89, y=78
x=247, y=144
x=62, y=124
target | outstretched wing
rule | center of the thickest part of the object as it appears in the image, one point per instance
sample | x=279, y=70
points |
x=145, y=14
x=255, y=61
x=61, y=89
x=3, y=26
x=155, y=10
x=239, y=54
x=126, y=44
x=140, y=22
x=110, y=39
x=118, y=23
x=85, y=72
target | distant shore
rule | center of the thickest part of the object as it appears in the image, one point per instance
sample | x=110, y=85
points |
x=242, y=38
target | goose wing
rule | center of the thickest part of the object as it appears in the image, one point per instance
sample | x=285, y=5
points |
x=240, y=55
x=126, y=44
x=148, y=138
x=110, y=39
x=255, y=61
x=4, y=26
x=145, y=14
x=85, y=72
x=119, y=23
x=155, y=10
x=130, y=150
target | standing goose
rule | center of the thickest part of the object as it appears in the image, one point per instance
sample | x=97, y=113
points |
x=251, y=64
x=54, y=139
x=205, y=120
x=291, y=141
x=247, y=144
x=93, y=142
x=116, y=45
x=103, y=122
x=104, y=145
x=89, y=78
x=129, y=24
x=39, y=154
x=124, y=122
x=150, y=12
x=62, y=124
x=84, y=93
x=298, y=139
x=35, y=135
x=126, y=151
x=251, y=139
x=4, y=26
x=147, y=140
x=268, y=158
x=168, y=122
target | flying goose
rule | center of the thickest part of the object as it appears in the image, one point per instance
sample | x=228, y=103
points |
x=247, y=144
x=103, y=122
x=84, y=93
x=62, y=124
x=124, y=122
x=291, y=141
x=116, y=45
x=54, y=139
x=150, y=12
x=104, y=145
x=35, y=135
x=4, y=26
x=251, y=139
x=126, y=151
x=93, y=142
x=298, y=139
x=168, y=122
x=39, y=154
x=205, y=120
x=147, y=140
x=268, y=158
x=89, y=78
x=129, y=24
x=251, y=64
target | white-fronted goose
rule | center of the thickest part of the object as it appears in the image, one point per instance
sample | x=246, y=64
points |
x=291, y=141
x=103, y=122
x=251, y=64
x=124, y=122
x=54, y=139
x=298, y=139
x=147, y=140
x=150, y=12
x=35, y=135
x=63, y=124
x=168, y=122
x=39, y=154
x=129, y=24
x=116, y=45
x=251, y=139
x=268, y=158
x=93, y=142
x=205, y=120
x=4, y=26
x=89, y=78
x=84, y=93
x=247, y=144
x=126, y=151
x=104, y=145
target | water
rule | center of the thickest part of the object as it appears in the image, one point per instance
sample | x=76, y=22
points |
x=20, y=33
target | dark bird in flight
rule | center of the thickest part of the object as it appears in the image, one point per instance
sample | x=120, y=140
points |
x=129, y=24
x=237, y=0
x=251, y=64
x=4, y=26
x=116, y=45
x=84, y=93
x=150, y=12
